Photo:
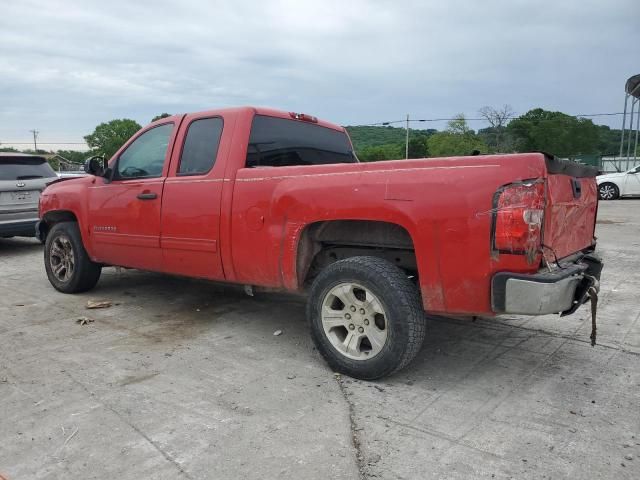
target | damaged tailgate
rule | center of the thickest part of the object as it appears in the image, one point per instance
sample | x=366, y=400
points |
x=571, y=207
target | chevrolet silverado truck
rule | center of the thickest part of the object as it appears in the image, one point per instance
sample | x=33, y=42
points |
x=265, y=198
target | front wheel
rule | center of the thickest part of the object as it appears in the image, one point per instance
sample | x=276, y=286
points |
x=68, y=266
x=366, y=317
x=608, y=191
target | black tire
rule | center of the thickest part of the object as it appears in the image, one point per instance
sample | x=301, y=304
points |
x=608, y=191
x=83, y=274
x=404, y=317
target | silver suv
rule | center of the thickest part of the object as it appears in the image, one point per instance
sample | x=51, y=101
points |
x=22, y=178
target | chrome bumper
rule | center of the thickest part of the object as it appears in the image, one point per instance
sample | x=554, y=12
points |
x=562, y=290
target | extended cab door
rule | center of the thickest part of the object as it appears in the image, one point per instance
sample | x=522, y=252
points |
x=191, y=201
x=124, y=213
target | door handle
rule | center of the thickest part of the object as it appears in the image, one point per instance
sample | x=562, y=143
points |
x=577, y=188
x=147, y=196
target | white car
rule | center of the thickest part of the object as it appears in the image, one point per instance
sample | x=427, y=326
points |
x=616, y=185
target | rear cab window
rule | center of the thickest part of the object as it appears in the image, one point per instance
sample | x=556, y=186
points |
x=25, y=168
x=280, y=142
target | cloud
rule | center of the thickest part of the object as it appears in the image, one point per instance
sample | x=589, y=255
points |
x=68, y=65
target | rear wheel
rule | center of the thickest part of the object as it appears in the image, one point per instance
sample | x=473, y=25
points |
x=366, y=317
x=68, y=266
x=608, y=191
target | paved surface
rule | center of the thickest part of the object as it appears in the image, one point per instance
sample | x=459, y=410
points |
x=185, y=379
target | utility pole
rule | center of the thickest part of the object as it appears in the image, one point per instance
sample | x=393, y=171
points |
x=406, y=150
x=35, y=143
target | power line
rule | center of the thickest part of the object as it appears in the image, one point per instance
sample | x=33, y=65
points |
x=482, y=119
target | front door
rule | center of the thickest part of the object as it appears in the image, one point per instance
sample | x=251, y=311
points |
x=124, y=213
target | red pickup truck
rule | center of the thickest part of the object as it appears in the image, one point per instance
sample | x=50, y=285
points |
x=266, y=198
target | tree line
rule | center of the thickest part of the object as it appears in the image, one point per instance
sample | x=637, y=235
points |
x=537, y=130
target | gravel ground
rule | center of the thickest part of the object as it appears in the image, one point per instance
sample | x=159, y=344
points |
x=185, y=379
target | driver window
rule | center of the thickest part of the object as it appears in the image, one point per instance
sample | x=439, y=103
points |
x=145, y=157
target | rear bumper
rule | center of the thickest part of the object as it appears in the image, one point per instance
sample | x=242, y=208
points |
x=23, y=228
x=562, y=290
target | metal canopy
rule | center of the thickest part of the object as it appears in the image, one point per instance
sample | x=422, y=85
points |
x=632, y=87
x=629, y=152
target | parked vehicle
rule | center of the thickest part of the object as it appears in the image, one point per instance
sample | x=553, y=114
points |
x=615, y=185
x=268, y=198
x=22, y=178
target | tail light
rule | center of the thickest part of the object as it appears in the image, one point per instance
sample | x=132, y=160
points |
x=518, y=218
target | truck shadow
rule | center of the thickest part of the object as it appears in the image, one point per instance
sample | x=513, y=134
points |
x=166, y=309
x=18, y=246
x=175, y=310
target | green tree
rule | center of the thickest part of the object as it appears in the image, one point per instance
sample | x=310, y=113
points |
x=459, y=125
x=390, y=151
x=554, y=132
x=108, y=137
x=495, y=136
x=457, y=139
x=162, y=115
x=31, y=151
x=369, y=136
x=419, y=147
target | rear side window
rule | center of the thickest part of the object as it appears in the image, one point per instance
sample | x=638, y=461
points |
x=25, y=168
x=200, y=146
x=279, y=142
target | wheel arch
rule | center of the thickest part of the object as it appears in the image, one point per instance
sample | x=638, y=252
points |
x=52, y=217
x=323, y=242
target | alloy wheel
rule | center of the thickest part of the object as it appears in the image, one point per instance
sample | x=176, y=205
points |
x=61, y=258
x=607, y=192
x=354, y=320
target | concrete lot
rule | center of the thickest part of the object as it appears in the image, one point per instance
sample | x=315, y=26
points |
x=185, y=379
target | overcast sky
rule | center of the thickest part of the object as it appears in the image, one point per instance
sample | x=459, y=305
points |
x=66, y=66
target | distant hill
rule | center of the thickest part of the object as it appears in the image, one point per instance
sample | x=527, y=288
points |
x=609, y=140
x=364, y=137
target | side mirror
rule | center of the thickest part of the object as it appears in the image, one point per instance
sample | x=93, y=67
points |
x=96, y=166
